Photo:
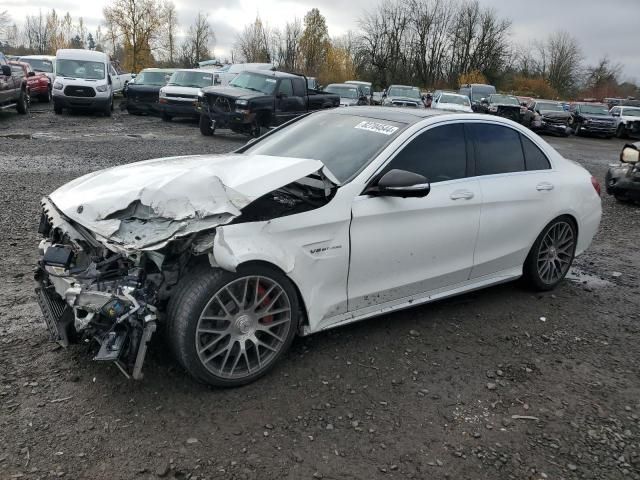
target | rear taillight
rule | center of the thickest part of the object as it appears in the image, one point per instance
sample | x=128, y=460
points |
x=596, y=185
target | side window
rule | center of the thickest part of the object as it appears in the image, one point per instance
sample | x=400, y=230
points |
x=112, y=70
x=439, y=154
x=534, y=158
x=285, y=87
x=498, y=149
x=298, y=87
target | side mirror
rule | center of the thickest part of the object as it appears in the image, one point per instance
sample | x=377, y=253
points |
x=6, y=70
x=31, y=74
x=616, y=114
x=400, y=183
x=630, y=154
x=109, y=79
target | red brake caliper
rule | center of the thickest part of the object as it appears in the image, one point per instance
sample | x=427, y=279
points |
x=269, y=318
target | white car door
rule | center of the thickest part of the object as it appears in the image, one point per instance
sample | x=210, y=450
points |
x=519, y=190
x=401, y=247
x=116, y=82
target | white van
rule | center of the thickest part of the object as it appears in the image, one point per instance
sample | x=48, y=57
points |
x=82, y=81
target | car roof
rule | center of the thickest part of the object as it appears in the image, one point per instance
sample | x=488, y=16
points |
x=403, y=86
x=358, y=82
x=547, y=101
x=80, y=54
x=349, y=85
x=392, y=114
x=272, y=73
x=154, y=69
x=453, y=94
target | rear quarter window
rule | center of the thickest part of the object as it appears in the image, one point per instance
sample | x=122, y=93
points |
x=534, y=158
x=498, y=149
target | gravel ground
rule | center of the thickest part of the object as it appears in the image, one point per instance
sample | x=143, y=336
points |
x=497, y=384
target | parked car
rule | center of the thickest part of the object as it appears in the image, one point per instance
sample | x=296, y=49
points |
x=350, y=94
x=547, y=116
x=41, y=64
x=179, y=97
x=452, y=102
x=143, y=91
x=366, y=87
x=119, y=78
x=257, y=100
x=334, y=218
x=83, y=81
x=592, y=119
x=506, y=106
x=623, y=180
x=403, y=96
x=476, y=92
x=627, y=121
x=229, y=72
x=38, y=85
x=13, y=87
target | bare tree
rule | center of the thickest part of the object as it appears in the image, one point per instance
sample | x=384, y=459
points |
x=288, y=45
x=37, y=33
x=195, y=48
x=564, y=62
x=254, y=43
x=5, y=25
x=169, y=37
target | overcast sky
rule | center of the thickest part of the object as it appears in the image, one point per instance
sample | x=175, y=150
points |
x=602, y=26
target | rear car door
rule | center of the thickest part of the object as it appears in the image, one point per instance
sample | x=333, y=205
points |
x=518, y=188
x=288, y=105
x=401, y=247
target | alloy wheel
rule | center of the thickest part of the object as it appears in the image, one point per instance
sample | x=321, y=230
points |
x=556, y=252
x=243, y=327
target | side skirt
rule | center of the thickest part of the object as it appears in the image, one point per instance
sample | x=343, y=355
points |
x=415, y=300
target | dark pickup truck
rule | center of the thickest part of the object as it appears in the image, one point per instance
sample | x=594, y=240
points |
x=256, y=101
x=13, y=87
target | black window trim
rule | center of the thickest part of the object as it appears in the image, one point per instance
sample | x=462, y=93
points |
x=470, y=166
x=525, y=171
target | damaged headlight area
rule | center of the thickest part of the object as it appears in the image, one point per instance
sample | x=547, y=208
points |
x=90, y=294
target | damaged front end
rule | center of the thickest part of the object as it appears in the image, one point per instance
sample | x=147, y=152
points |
x=107, y=268
x=89, y=293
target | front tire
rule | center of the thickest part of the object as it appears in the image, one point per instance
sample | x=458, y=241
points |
x=205, y=126
x=23, y=103
x=228, y=329
x=620, y=131
x=551, y=255
x=46, y=98
x=108, y=108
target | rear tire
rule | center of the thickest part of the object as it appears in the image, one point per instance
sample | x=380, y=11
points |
x=205, y=126
x=551, y=255
x=57, y=109
x=218, y=322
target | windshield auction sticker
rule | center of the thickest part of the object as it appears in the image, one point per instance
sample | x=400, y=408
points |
x=377, y=127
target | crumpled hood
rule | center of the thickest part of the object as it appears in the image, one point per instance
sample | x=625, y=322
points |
x=144, y=205
x=234, y=92
x=555, y=114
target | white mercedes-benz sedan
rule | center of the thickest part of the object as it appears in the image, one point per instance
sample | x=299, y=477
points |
x=336, y=217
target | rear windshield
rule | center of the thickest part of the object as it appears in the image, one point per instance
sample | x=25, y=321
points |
x=39, y=65
x=504, y=99
x=152, y=78
x=408, y=92
x=456, y=99
x=80, y=69
x=191, y=79
x=344, y=92
x=478, y=93
x=594, y=109
x=344, y=143
x=550, y=107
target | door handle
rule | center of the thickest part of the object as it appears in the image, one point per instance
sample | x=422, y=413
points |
x=461, y=195
x=544, y=186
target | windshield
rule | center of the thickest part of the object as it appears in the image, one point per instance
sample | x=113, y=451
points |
x=631, y=112
x=504, y=99
x=408, y=92
x=551, y=107
x=152, y=78
x=81, y=69
x=39, y=65
x=344, y=92
x=191, y=79
x=344, y=143
x=254, y=81
x=456, y=99
x=594, y=109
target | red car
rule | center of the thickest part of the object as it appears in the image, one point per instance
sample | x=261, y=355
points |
x=38, y=83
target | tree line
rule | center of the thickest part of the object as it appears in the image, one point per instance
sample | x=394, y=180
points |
x=429, y=43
